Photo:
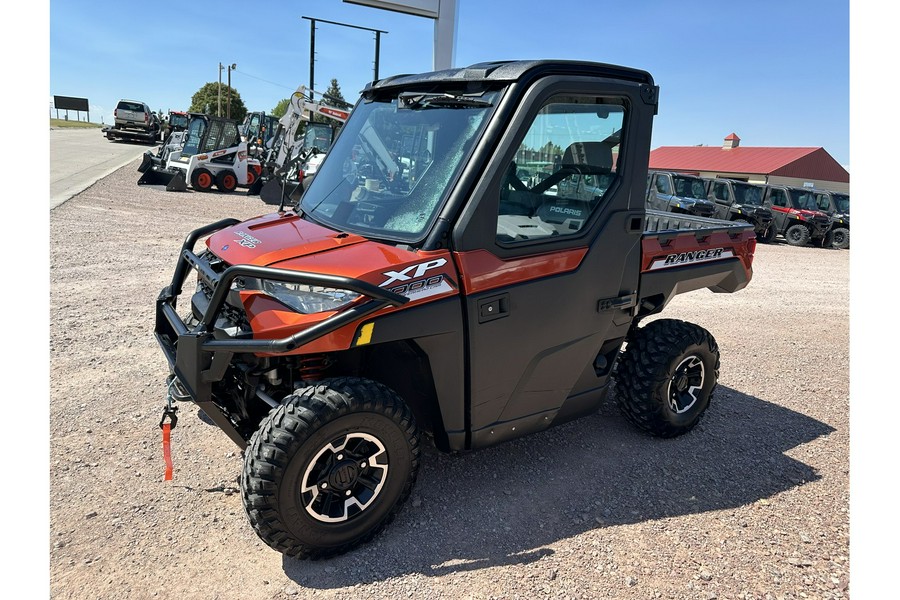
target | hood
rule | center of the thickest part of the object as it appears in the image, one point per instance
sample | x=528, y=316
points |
x=753, y=209
x=812, y=214
x=286, y=241
x=270, y=239
x=695, y=200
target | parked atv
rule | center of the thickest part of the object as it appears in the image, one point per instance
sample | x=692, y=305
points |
x=796, y=216
x=679, y=193
x=421, y=287
x=739, y=200
x=837, y=206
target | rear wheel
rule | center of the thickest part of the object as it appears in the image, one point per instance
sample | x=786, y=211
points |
x=797, y=235
x=226, y=181
x=329, y=468
x=667, y=376
x=201, y=180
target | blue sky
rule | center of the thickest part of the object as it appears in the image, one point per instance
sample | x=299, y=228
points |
x=774, y=72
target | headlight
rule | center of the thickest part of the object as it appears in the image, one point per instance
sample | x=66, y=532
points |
x=308, y=299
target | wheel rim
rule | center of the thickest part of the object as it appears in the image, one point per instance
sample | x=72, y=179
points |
x=229, y=181
x=838, y=237
x=685, y=384
x=344, y=478
x=204, y=180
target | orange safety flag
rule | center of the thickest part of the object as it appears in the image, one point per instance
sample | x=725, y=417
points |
x=167, y=450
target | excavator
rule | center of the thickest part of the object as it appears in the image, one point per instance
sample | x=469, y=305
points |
x=290, y=158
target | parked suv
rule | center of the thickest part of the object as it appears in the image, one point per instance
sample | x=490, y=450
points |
x=678, y=193
x=134, y=114
x=739, y=200
x=796, y=216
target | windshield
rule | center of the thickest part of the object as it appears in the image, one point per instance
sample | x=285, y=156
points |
x=689, y=187
x=178, y=120
x=390, y=170
x=318, y=136
x=841, y=203
x=803, y=200
x=192, y=139
x=747, y=194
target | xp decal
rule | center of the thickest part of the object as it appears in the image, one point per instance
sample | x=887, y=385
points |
x=414, y=286
x=420, y=270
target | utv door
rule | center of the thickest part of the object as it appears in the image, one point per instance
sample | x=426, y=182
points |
x=661, y=193
x=777, y=200
x=720, y=195
x=549, y=279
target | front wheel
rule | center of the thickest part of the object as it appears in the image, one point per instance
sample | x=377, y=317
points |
x=769, y=235
x=797, y=235
x=667, y=376
x=330, y=468
x=202, y=180
x=840, y=238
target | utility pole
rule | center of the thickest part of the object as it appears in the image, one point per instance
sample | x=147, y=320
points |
x=219, y=110
x=230, y=68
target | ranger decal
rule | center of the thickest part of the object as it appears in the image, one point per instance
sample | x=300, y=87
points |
x=676, y=260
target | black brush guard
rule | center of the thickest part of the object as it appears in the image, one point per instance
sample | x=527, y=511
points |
x=199, y=358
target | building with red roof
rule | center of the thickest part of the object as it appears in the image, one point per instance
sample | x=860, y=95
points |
x=799, y=167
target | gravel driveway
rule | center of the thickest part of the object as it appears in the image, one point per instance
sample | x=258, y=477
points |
x=752, y=504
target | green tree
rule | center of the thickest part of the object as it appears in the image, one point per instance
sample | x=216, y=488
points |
x=206, y=101
x=332, y=97
x=281, y=107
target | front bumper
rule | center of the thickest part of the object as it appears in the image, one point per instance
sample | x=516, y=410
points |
x=819, y=226
x=199, y=355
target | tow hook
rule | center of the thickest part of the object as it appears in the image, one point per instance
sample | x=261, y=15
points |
x=173, y=392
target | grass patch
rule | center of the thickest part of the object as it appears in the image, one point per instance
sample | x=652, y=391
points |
x=82, y=124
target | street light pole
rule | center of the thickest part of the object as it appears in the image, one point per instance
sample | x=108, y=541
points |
x=219, y=110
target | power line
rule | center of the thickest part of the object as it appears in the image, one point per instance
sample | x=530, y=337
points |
x=264, y=80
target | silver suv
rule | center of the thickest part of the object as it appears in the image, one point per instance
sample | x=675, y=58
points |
x=133, y=114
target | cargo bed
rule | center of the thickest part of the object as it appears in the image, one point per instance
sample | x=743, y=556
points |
x=682, y=253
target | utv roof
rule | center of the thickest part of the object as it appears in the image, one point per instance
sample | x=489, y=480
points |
x=513, y=71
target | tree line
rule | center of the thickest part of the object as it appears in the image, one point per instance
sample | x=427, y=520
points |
x=206, y=100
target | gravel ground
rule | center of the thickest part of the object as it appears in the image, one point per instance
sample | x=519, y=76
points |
x=752, y=504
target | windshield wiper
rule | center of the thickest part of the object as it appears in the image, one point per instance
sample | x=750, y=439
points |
x=425, y=100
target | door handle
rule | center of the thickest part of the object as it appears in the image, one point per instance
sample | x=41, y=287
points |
x=495, y=307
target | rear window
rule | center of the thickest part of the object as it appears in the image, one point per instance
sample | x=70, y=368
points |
x=133, y=106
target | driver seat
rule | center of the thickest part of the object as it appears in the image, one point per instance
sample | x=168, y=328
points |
x=589, y=157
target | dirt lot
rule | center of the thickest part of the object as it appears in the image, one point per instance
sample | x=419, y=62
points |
x=752, y=504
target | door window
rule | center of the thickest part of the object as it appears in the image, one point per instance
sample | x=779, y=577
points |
x=779, y=198
x=720, y=192
x=563, y=169
x=662, y=185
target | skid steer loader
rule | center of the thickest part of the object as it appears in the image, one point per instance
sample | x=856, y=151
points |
x=208, y=153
